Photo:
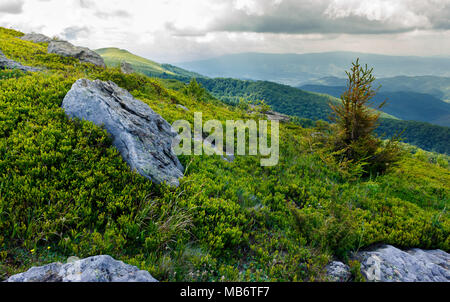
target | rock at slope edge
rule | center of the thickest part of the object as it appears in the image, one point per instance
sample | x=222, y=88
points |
x=143, y=138
x=83, y=54
x=389, y=264
x=36, y=38
x=93, y=269
x=6, y=63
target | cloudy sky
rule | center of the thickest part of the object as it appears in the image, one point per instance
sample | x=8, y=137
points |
x=182, y=30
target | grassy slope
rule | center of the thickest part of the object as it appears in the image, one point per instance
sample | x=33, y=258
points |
x=114, y=56
x=66, y=191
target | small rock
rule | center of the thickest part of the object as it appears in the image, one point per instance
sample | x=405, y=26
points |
x=83, y=54
x=338, y=272
x=143, y=137
x=36, y=38
x=182, y=107
x=126, y=68
x=389, y=264
x=93, y=269
x=6, y=63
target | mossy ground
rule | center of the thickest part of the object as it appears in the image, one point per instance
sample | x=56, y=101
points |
x=64, y=190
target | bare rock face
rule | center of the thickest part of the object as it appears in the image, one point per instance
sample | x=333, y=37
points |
x=126, y=68
x=83, y=54
x=276, y=116
x=36, y=38
x=389, y=264
x=93, y=269
x=143, y=138
x=6, y=63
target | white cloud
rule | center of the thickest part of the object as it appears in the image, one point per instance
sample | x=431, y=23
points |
x=11, y=6
x=181, y=30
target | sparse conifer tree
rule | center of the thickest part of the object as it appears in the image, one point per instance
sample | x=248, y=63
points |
x=356, y=121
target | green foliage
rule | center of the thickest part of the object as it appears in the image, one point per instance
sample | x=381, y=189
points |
x=63, y=186
x=424, y=135
x=355, y=269
x=356, y=122
x=314, y=106
x=198, y=92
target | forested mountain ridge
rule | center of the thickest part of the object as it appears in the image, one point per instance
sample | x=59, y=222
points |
x=303, y=104
x=405, y=105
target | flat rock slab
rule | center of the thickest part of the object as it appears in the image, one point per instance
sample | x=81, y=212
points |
x=389, y=264
x=93, y=269
x=143, y=137
x=6, y=63
x=83, y=54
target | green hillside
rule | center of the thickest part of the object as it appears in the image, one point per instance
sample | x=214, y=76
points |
x=303, y=104
x=66, y=191
x=114, y=56
x=282, y=98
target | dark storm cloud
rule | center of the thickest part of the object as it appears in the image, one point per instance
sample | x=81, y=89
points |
x=11, y=6
x=329, y=17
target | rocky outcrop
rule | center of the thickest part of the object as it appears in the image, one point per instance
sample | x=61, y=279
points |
x=389, y=264
x=338, y=272
x=126, y=68
x=36, y=38
x=143, y=138
x=92, y=269
x=83, y=54
x=276, y=116
x=6, y=63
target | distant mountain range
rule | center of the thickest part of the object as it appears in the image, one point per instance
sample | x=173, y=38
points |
x=439, y=87
x=299, y=69
x=405, y=105
x=420, y=107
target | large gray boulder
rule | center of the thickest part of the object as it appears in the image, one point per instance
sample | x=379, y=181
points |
x=6, y=63
x=143, y=138
x=83, y=54
x=93, y=269
x=36, y=38
x=389, y=264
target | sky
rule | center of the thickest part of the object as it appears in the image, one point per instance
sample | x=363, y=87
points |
x=171, y=31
